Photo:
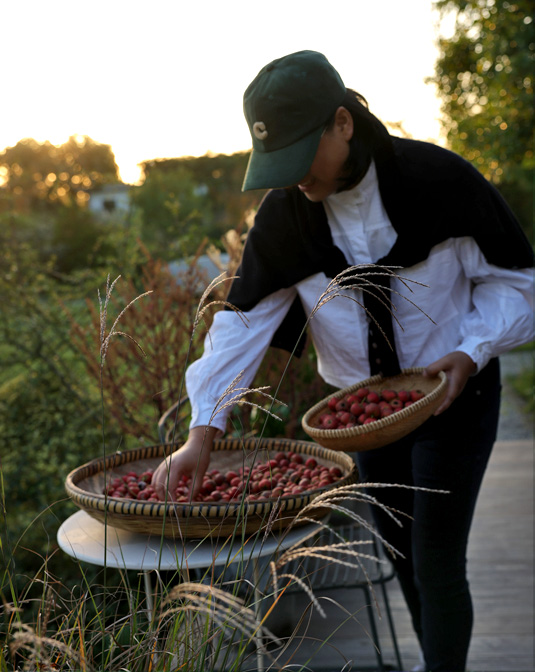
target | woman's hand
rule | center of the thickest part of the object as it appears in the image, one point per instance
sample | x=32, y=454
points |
x=458, y=367
x=190, y=460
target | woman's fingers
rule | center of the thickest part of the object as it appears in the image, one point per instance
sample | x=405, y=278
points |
x=458, y=367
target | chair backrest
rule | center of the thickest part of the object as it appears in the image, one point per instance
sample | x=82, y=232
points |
x=344, y=570
x=173, y=424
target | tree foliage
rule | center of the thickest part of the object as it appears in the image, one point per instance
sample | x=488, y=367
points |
x=50, y=417
x=175, y=213
x=485, y=78
x=35, y=174
x=217, y=179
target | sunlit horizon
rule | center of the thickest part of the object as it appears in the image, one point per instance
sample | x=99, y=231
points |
x=168, y=82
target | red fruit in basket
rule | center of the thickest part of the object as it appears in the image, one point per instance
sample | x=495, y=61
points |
x=407, y=404
x=362, y=418
x=396, y=404
x=372, y=410
x=373, y=398
x=218, y=478
x=322, y=419
x=369, y=420
x=311, y=463
x=386, y=411
x=388, y=395
x=356, y=409
x=346, y=417
x=208, y=486
x=330, y=422
x=332, y=403
x=416, y=395
x=404, y=395
x=342, y=405
x=362, y=392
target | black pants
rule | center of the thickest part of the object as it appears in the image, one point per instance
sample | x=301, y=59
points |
x=449, y=452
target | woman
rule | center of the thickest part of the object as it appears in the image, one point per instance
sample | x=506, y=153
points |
x=359, y=196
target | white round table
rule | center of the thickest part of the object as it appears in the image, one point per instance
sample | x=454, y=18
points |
x=88, y=540
x=84, y=538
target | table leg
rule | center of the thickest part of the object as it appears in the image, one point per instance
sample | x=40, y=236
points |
x=148, y=593
x=257, y=602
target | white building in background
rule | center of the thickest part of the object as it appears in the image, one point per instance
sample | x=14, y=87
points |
x=110, y=199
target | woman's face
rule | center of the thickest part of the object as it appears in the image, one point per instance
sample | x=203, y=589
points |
x=322, y=178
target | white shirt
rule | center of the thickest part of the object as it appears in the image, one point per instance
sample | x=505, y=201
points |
x=480, y=309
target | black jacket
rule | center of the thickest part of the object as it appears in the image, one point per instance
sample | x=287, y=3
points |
x=430, y=195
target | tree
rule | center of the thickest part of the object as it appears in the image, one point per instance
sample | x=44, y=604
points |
x=484, y=77
x=175, y=212
x=219, y=177
x=36, y=173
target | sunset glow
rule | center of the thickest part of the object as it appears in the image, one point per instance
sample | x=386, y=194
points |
x=166, y=78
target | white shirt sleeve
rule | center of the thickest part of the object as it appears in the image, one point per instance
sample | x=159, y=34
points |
x=232, y=348
x=502, y=314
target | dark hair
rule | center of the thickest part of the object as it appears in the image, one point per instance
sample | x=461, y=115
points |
x=369, y=137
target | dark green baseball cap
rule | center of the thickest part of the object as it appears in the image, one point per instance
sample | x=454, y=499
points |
x=287, y=106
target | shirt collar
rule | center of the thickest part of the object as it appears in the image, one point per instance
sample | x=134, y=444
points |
x=359, y=193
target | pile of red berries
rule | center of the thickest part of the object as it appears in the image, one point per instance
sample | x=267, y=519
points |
x=285, y=474
x=365, y=406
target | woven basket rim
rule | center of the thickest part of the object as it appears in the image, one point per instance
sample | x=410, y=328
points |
x=389, y=421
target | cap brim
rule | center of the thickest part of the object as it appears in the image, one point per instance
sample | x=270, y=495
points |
x=282, y=167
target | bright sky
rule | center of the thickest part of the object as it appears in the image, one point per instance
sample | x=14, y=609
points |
x=165, y=78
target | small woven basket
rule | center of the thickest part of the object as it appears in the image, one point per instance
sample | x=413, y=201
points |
x=85, y=486
x=386, y=430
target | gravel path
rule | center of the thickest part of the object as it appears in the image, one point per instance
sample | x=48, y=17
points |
x=514, y=424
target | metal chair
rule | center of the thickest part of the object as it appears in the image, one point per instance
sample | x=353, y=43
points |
x=321, y=575
x=171, y=425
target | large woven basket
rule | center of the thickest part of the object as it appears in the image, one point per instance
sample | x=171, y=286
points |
x=389, y=429
x=85, y=486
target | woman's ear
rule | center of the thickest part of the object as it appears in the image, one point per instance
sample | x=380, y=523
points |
x=343, y=122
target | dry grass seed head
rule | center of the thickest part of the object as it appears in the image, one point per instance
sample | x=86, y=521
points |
x=224, y=608
x=239, y=398
x=105, y=340
x=26, y=639
x=343, y=281
x=202, y=308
